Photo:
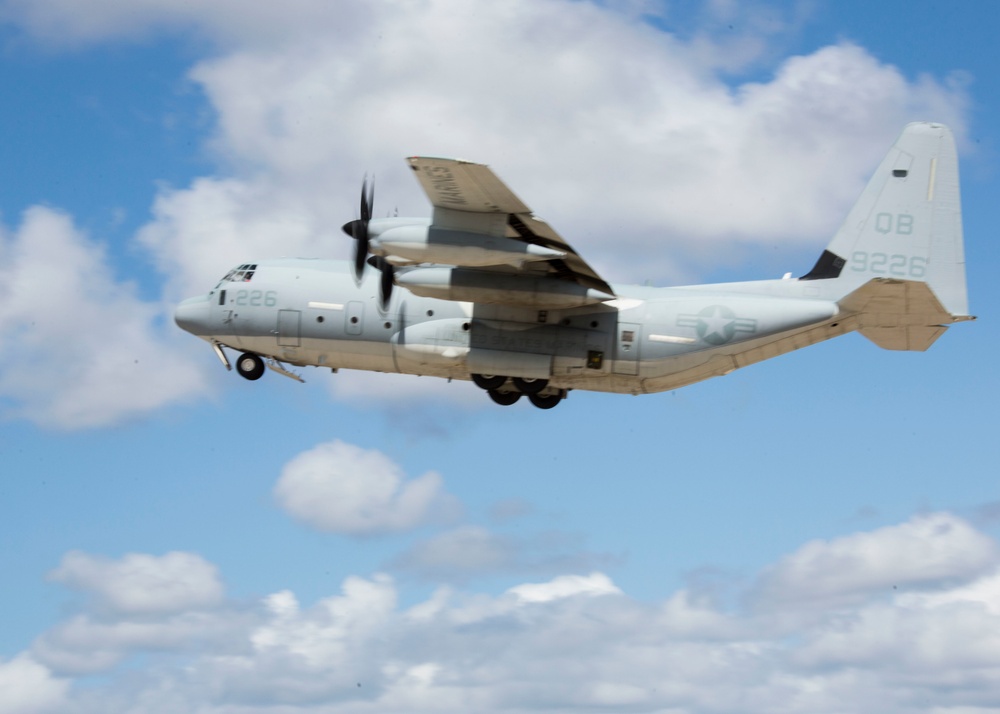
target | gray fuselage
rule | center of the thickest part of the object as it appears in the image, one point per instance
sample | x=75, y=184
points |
x=313, y=312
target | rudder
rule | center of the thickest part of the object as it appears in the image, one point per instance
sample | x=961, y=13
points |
x=907, y=224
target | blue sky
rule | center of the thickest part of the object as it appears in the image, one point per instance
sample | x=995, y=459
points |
x=814, y=533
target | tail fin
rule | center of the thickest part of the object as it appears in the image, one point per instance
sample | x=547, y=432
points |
x=905, y=228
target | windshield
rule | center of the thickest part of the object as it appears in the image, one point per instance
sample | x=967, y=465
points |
x=240, y=274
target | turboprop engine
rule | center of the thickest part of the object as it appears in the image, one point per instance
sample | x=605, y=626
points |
x=497, y=288
x=407, y=244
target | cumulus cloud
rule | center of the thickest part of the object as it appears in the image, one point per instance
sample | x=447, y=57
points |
x=334, y=630
x=96, y=642
x=667, y=154
x=27, y=687
x=138, y=602
x=78, y=347
x=927, y=551
x=141, y=584
x=67, y=23
x=634, y=141
x=697, y=164
x=573, y=642
x=566, y=586
x=200, y=232
x=341, y=488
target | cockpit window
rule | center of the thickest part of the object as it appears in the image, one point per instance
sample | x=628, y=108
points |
x=240, y=274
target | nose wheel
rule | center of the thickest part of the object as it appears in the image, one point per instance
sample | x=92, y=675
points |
x=250, y=366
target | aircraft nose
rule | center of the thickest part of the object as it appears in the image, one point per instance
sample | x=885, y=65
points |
x=192, y=315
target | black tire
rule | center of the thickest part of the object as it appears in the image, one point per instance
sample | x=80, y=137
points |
x=250, y=366
x=529, y=386
x=488, y=381
x=504, y=399
x=545, y=401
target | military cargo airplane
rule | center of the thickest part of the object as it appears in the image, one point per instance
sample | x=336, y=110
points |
x=486, y=291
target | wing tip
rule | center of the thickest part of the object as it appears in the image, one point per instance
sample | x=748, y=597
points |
x=414, y=161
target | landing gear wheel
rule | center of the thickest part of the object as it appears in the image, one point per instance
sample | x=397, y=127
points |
x=250, y=366
x=529, y=386
x=547, y=401
x=504, y=398
x=488, y=381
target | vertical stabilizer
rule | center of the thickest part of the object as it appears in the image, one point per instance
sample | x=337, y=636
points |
x=907, y=225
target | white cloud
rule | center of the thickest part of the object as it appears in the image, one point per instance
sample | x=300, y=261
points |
x=651, y=145
x=945, y=645
x=89, y=643
x=200, y=232
x=928, y=551
x=78, y=347
x=983, y=593
x=27, y=687
x=342, y=488
x=633, y=142
x=139, y=584
x=66, y=23
x=334, y=630
x=562, y=645
x=138, y=602
x=566, y=586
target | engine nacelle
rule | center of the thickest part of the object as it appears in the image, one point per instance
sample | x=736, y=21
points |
x=378, y=226
x=481, y=286
x=411, y=243
x=435, y=344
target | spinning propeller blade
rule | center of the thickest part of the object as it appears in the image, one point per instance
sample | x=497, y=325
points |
x=358, y=228
x=388, y=278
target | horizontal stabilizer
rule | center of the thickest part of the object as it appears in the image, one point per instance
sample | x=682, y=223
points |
x=898, y=314
x=913, y=338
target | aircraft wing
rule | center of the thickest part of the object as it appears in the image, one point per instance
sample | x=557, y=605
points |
x=470, y=197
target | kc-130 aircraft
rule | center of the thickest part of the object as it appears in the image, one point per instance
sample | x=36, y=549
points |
x=486, y=291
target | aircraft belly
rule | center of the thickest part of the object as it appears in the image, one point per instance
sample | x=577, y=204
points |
x=432, y=346
x=537, y=351
x=686, y=341
x=774, y=330
x=352, y=354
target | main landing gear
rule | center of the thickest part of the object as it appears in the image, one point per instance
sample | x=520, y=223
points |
x=537, y=390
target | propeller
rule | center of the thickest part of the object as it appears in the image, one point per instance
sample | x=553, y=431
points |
x=358, y=228
x=388, y=277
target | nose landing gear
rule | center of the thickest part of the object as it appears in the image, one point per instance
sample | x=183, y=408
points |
x=250, y=366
